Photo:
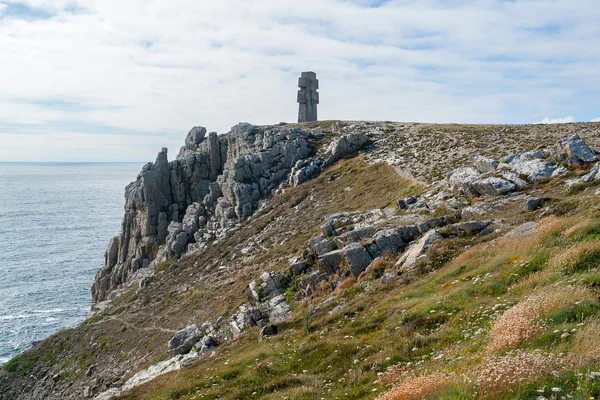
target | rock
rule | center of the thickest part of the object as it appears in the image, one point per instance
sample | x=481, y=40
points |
x=388, y=278
x=534, y=204
x=471, y=212
x=522, y=230
x=271, y=284
x=310, y=284
x=345, y=145
x=491, y=187
x=87, y=392
x=220, y=179
x=184, y=340
x=574, y=151
x=331, y=261
x=195, y=137
x=484, y=164
x=323, y=247
x=530, y=164
x=357, y=257
x=462, y=228
x=298, y=266
x=268, y=330
x=417, y=250
x=593, y=175
x=278, y=309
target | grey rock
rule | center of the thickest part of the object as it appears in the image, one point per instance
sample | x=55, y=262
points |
x=530, y=164
x=268, y=330
x=278, y=309
x=87, y=392
x=241, y=167
x=534, y=204
x=491, y=186
x=574, y=150
x=484, y=164
x=462, y=228
x=593, y=175
x=310, y=284
x=410, y=257
x=522, y=230
x=195, y=137
x=184, y=340
x=388, y=278
x=345, y=145
x=331, y=261
x=357, y=257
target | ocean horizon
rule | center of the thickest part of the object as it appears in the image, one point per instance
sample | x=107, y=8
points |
x=56, y=219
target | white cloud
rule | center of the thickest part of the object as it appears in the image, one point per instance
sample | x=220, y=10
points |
x=163, y=66
x=560, y=120
x=596, y=119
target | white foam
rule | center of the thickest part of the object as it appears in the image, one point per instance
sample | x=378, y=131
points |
x=50, y=319
x=51, y=311
x=3, y=360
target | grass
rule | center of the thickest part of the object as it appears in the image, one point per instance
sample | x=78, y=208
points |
x=433, y=333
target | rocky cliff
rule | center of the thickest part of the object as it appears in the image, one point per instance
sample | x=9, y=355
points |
x=215, y=182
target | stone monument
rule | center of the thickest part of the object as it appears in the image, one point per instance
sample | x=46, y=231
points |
x=308, y=97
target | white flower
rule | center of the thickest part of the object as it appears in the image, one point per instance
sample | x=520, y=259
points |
x=556, y=389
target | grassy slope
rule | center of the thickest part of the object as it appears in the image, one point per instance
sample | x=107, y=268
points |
x=437, y=325
x=133, y=332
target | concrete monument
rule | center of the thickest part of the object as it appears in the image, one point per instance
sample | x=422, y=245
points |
x=308, y=97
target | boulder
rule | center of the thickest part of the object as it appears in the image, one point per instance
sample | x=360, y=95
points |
x=194, y=137
x=278, y=309
x=534, y=204
x=491, y=186
x=268, y=330
x=463, y=228
x=593, y=175
x=342, y=146
x=484, y=164
x=417, y=250
x=331, y=261
x=184, y=340
x=310, y=284
x=574, y=150
x=530, y=164
x=357, y=257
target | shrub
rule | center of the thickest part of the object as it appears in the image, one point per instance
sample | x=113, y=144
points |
x=523, y=321
x=579, y=258
x=416, y=388
x=514, y=370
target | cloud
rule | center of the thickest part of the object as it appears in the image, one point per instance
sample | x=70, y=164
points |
x=560, y=120
x=596, y=119
x=158, y=68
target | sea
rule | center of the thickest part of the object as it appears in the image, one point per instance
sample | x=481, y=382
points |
x=55, y=222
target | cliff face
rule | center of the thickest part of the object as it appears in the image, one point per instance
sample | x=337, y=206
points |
x=213, y=184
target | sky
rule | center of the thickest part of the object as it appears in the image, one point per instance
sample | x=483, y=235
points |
x=104, y=80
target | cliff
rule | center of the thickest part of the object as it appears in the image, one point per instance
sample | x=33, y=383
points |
x=344, y=260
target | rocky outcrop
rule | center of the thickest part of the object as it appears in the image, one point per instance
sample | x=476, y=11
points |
x=213, y=184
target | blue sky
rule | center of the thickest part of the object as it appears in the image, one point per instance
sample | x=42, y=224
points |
x=102, y=80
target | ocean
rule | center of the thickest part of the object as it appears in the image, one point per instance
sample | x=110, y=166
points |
x=55, y=222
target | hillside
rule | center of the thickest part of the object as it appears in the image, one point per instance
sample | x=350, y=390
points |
x=345, y=260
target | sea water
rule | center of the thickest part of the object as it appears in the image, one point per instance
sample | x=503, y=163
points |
x=55, y=222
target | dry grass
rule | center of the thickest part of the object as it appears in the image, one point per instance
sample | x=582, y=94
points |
x=513, y=370
x=416, y=388
x=523, y=321
x=586, y=348
x=580, y=257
